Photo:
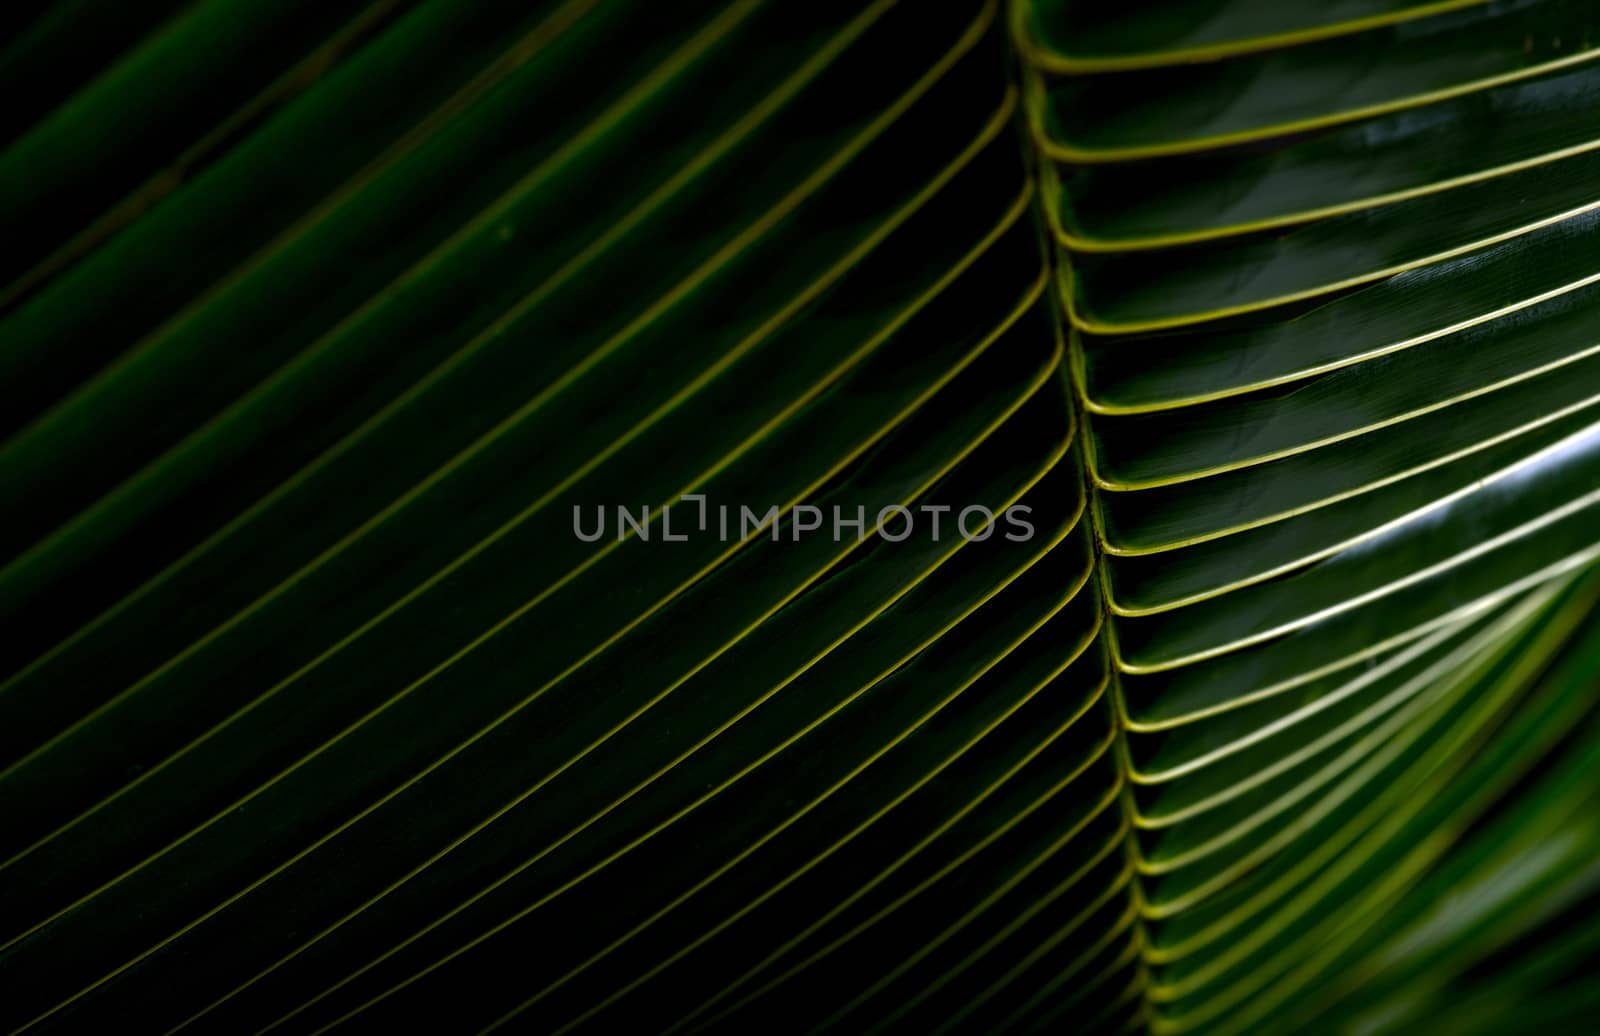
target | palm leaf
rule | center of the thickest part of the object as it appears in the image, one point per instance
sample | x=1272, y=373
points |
x=474, y=466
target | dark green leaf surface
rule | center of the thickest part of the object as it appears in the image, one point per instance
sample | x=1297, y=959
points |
x=1245, y=498
x=1322, y=83
x=1077, y=35
x=328, y=333
x=1154, y=372
x=1141, y=291
x=1378, y=161
x=1144, y=583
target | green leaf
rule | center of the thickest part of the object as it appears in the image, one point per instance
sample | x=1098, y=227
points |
x=754, y=516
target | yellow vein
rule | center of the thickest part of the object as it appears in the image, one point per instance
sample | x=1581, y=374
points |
x=1080, y=370
x=1059, y=151
x=1136, y=988
x=1118, y=885
x=461, y=458
x=726, y=922
x=301, y=854
x=1433, y=680
x=932, y=836
x=1522, y=464
x=1244, y=429
x=1031, y=390
x=1200, y=761
x=1410, y=578
x=944, y=871
x=1388, y=740
x=456, y=462
x=1111, y=891
x=1391, y=811
x=462, y=652
x=669, y=68
x=738, y=450
x=1049, y=201
x=883, y=334
x=1093, y=325
x=1452, y=752
x=900, y=738
x=971, y=914
x=1054, y=61
x=519, y=54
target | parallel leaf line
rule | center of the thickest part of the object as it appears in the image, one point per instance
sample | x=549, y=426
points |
x=772, y=423
x=1136, y=988
x=462, y=457
x=1386, y=742
x=519, y=54
x=1436, y=680
x=1497, y=439
x=930, y=838
x=330, y=340
x=1362, y=680
x=1094, y=246
x=1332, y=934
x=1376, y=532
x=1080, y=370
x=1349, y=433
x=1094, y=325
x=1054, y=61
x=944, y=871
x=728, y=921
x=1112, y=890
x=1059, y=151
x=1382, y=820
x=1032, y=957
x=1411, y=578
x=1033, y=388
x=665, y=771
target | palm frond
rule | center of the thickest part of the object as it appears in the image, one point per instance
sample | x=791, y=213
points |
x=475, y=472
